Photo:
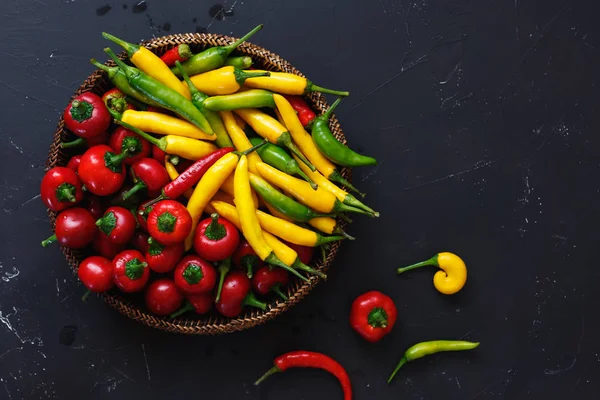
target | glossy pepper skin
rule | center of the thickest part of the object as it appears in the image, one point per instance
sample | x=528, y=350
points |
x=200, y=303
x=423, y=349
x=163, y=124
x=225, y=80
x=140, y=241
x=101, y=170
x=305, y=114
x=60, y=189
x=267, y=280
x=309, y=359
x=290, y=84
x=373, y=315
x=87, y=116
x=117, y=225
x=163, y=259
x=150, y=175
x=180, y=53
x=253, y=98
x=235, y=294
x=142, y=214
x=130, y=271
x=123, y=139
x=169, y=222
x=115, y=99
x=245, y=257
x=162, y=297
x=453, y=274
x=74, y=163
x=74, y=229
x=194, y=275
x=216, y=238
x=119, y=79
x=239, y=138
x=95, y=273
x=241, y=62
x=104, y=247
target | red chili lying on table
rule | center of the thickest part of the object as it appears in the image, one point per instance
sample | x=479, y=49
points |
x=309, y=359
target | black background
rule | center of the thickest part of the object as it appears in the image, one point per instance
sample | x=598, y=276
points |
x=484, y=116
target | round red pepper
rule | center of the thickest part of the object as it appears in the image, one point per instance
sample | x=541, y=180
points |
x=162, y=258
x=169, y=222
x=373, y=315
x=61, y=188
x=95, y=273
x=142, y=214
x=140, y=241
x=74, y=163
x=201, y=303
x=96, y=206
x=106, y=248
x=267, y=280
x=163, y=297
x=75, y=228
x=116, y=100
x=117, y=224
x=149, y=174
x=130, y=271
x=216, y=238
x=122, y=139
x=236, y=294
x=87, y=116
x=246, y=258
x=158, y=154
x=101, y=170
x=194, y=275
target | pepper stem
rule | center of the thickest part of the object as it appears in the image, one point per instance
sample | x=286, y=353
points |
x=339, y=206
x=302, y=175
x=432, y=261
x=129, y=47
x=156, y=200
x=74, y=143
x=311, y=87
x=267, y=374
x=378, y=318
x=48, y=241
x=193, y=89
x=340, y=231
x=109, y=70
x=275, y=289
x=241, y=75
x=249, y=264
x=402, y=361
x=66, y=192
x=337, y=177
x=252, y=301
x=286, y=140
x=321, y=240
x=327, y=114
x=229, y=48
x=273, y=260
x=126, y=68
x=187, y=307
x=86, y=295
x=223, y=269
x=160, y=143
x=354, y=202
x=253, y=148
x=303, y=267
x=136, y=188
x=215, y=230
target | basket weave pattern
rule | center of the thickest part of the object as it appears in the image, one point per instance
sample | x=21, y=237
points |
x=191, y=323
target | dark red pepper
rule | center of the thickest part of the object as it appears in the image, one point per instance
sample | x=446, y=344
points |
x=158, y=154
x=309, y=359
x=161, y=258
x=75, y=228
x=305, y=253
x=140, y=241
x=142, y=214
x=201, y=303
x=89, y=142
x=101, y=170
x=117, y=224
x=96, y=206
x=149, y=174
x=95, y=273
x=246, y=258
x=74, y=163
x=106, y=248
x=373, y=315
x=236, y=294
x=305, y=113
x=216, y=238
x=169, y=222
x=123, y=138
x=87, y=116
x=193, y=275
x=130, y=271
x=179, y=53
x=163, y=297
x=61, y=188
x=267, y=280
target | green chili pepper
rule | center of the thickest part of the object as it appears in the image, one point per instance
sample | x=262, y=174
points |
x=243, y=62
x=331, y=147
x=118, y=78
x=213, y=57
x=423, y=349
x=161, y=94
x=282, y=203
x=213, y=118
x=253, y=98
x=277, y=157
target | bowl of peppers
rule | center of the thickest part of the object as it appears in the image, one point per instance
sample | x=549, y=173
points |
x=200, y=184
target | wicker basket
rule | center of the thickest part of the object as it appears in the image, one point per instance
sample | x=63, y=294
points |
x=132, y=306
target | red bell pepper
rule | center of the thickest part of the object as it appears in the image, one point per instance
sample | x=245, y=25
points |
x=117, y=225
x=169, y=222
x=101, y=170
x=130, y=271
x=87, y=116
x=61, y=188
x=373, y=315
x=216, y=238
x=193, y=275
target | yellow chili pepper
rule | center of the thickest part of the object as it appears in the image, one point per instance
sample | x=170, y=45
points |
x=320, y=200
x=328, y=225
x=286, y=83
x=269, y=128
x=151, y=64
x=173, y=174
x=338, y=192
x=285, y=253
x=228, y=187
x=225, y=80
x=239, y=138
x=291, y=232
x=276, y=213
x=164, y=124
x=453, y=274
x=306, y=143
x=219, y=196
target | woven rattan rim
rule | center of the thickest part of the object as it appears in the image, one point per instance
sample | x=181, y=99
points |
x=212, y=324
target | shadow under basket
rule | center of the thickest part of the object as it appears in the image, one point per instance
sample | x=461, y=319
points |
x=133, y=306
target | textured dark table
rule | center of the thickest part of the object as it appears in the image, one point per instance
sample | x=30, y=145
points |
x=485, y=116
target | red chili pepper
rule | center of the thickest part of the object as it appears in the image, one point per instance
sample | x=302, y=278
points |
x=179, y=53
x=158, y=154
x=149, y=174
x=373, y=315
x=193, y=275
x=116, y=100
x=61, y=188
x=163, y=297
x=89, y=142
x=201, y=303
x=309, y=359
x=140, y=241
x=130, y=271
x=101, y=170
x=246, y=258
x=74, y=228
x=106, y=248
x=142, y=214
x=270, y=280
x=305, y=253
x=236, y=294
x=169, y=222
x=192, y=175
x=161, y=258
x=74, y=163
x=95, y=273
x=117, y=224
x=87, y=116
x=96, y=206
x=216, y=238
x=123, y=138
x=305, y=113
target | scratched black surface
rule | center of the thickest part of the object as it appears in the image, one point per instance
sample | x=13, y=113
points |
x=485, y=116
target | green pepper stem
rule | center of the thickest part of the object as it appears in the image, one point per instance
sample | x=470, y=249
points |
x=303, y=267
x=339, y=206
x=241, y=75
x=115, y=160
x=160, y=143
x=249, y=264
x=187, y=307
x=193, y=89
x=340, y=231
x=86, y=295
x=270, y=372
x=378, y=318
x=129, y=47
x=74, y=143
x=321, y=240
x=223, y=269
x=402, y=361
x=275, y=289
x=311, y=87
x=48, y=241
x=344, y=217
x=354, y=202
x=432, y=261
x=274, y=260
x=327, y=114
x=136, y=188
x=252, y=301
x=111, y=71
x=253, y=148
x=156, y=200
x=337, y=177
x=302, y=175
x=286, y=140
x=129, y=71
x=229, y=48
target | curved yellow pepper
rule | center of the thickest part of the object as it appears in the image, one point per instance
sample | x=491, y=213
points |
x=164, y=124
x=188, y=148
x=291, y=232
x=228, y=187
x=324, y=224
x=152, y=65
x=239, y=138
x=224, y=80
x=453, y=274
